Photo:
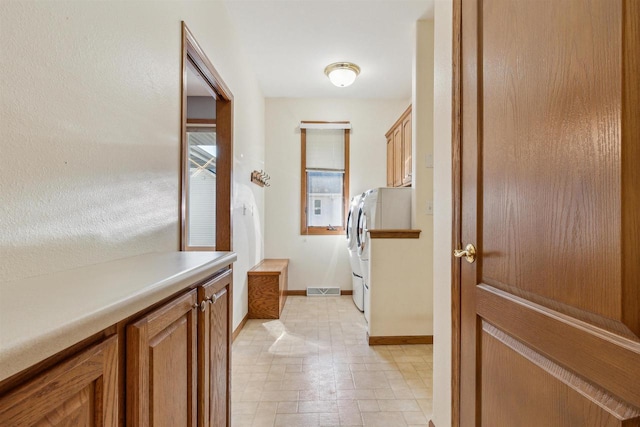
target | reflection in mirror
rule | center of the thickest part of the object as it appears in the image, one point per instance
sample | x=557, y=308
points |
x=207, y=150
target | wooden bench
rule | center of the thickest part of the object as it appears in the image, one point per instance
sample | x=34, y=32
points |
x=267, y=288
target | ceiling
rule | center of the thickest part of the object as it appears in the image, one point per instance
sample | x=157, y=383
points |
x=290, y=42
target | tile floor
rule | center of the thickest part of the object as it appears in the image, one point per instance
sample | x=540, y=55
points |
x=313, y=367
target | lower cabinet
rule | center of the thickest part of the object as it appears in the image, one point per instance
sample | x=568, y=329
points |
x=214, y=352
x=178, y=360
x=162, y=366
x=80, y=391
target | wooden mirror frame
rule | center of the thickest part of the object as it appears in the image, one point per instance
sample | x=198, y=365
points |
x=224, y=145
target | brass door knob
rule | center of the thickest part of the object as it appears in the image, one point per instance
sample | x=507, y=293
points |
x=469, y=253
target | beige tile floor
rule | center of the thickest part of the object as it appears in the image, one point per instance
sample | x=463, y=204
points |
x=313, y=367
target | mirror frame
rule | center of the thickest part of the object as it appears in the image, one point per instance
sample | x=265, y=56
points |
x=224, y=146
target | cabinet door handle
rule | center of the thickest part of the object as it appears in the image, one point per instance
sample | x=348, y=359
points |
x=215, y=297
x=203, y=305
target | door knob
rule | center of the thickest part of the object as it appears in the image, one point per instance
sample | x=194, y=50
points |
x=469, y=253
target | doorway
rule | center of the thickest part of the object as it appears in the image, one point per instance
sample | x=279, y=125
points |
x=206, y=152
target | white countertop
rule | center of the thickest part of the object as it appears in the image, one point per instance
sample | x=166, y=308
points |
x=41, y=316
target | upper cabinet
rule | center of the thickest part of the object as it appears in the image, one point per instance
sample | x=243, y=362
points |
x=399, y=152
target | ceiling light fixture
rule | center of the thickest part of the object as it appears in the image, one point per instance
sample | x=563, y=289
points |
x=342, y=74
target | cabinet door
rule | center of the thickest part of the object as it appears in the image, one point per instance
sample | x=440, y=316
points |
x=406, y=149
x=214, y=353
x=390, y=160
x=81, y=391
x=397, y=156
x=162, y=366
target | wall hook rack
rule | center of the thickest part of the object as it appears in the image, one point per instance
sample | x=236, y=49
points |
x=260, y=178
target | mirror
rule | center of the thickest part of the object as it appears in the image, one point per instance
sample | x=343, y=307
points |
x=206, y=153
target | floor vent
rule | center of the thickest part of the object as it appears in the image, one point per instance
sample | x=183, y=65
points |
x=323, y=292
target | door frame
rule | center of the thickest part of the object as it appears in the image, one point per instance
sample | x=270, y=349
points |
x=456, y=190
x=192, y=51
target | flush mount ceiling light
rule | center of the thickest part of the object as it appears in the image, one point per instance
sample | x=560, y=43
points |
x=342, y=74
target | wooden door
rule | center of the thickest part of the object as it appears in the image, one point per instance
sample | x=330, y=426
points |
x=406, y=149
x=390, y=160
x=162, y=366
x=550, y=122
x=81, y=391
x=214, y=352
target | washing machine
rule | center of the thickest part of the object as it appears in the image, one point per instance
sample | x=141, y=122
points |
x=356, y=271
x=380, y=208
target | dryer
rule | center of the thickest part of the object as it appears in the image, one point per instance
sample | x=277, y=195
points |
x=380, y=208
x=352, y=246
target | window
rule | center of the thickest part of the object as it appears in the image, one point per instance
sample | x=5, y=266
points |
x=325, y=177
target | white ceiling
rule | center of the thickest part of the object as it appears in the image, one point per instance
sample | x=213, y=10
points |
x=290, y=42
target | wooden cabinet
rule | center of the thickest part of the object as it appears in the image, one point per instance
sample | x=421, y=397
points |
x=178, y=360
x=165, y=365
x=399, y=139
x=214, y=351
x=406, y=149
x=268, y=284
x=390, y=167
x=80, y=391
x=162, y=366
x=397, y=156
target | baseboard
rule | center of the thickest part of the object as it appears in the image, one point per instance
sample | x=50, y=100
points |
x=304, y=292
x=239, y=328
x=431, y=424
x=400, y=340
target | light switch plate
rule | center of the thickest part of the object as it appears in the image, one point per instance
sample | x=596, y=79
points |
x=429, y=160
x=429, y=207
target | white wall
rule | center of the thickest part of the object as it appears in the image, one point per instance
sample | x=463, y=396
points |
x=422, y=122
x=90, y=132
x=408, y=266
x=400, y=288
x=443, y=214
x=319, y=260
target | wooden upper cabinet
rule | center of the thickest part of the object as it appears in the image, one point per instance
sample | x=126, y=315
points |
x=162, y=366
x=399, y=139
x=389, y=161
x=81, y=391
x=397, y=157
x=406, y=149
x=214, y=351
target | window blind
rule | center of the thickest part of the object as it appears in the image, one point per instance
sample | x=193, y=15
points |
x=325, y=125
x=325, y=149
